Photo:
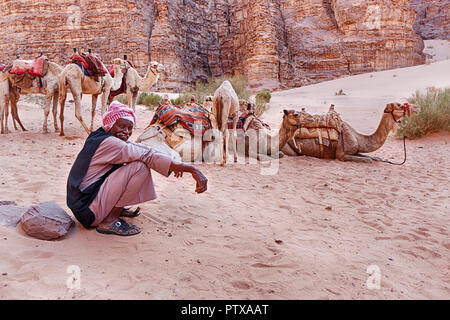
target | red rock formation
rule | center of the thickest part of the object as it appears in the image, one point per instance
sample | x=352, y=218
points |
x=273, y=43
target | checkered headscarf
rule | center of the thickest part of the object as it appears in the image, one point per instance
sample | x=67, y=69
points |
x=117, y=110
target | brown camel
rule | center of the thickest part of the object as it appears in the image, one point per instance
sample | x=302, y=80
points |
x=349, y=144
x=134, y=82
x=47, y=85
x=226, y=104
x=72, y=77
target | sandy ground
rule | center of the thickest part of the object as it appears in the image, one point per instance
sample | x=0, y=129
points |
x=310, y=230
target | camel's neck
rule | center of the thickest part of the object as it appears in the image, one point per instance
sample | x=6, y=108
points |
x=283, y=136
x=117, y=79
x=148, y=81
x=370, y=143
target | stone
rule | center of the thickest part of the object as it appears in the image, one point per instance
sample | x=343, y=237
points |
x=433, y=19
x=10, y=214
x=46, y=221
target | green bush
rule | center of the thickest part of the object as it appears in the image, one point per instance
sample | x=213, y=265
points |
x=122, y=98
x=201, y=89
x=434, y=113
x=150, y=100
x=263, y=96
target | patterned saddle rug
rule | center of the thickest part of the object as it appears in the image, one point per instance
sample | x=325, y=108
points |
x=191, y=117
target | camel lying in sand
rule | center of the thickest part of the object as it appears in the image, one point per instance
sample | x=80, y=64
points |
x=258, y=142
x=348, y=145
x=134, y=82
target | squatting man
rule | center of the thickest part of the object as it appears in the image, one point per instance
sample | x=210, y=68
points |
x=111, y=173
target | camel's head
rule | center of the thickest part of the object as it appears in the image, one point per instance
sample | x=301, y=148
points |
x=156, y=67
x=122, y=64
x=293, y=119
x=399, y=110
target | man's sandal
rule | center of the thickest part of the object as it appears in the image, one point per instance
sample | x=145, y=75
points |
x=127, y=213
x=120, y=228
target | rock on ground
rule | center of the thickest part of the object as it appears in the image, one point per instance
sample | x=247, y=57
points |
x=46, y=221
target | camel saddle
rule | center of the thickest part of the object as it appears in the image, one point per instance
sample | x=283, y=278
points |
x=91, y=64
x=325, y=130
x=2, y=67
x=193, y=118
x=37, y=67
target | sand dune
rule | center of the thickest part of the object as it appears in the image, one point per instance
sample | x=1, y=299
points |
x=310, y=231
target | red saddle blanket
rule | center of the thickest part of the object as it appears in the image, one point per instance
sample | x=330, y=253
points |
x=91, y=63
x=192, y=117
x=2, y=67
x=34, y=67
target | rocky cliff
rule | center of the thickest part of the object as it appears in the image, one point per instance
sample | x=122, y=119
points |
x=433, y=18
x=273, y=43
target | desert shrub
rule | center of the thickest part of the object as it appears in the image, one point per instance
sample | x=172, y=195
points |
x=122, y=98
x=263, y=96
x=201, y=89
x=260, y=108
x=150, y=100
x=434, y=113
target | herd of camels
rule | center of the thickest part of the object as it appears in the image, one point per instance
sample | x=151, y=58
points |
x=324, y=136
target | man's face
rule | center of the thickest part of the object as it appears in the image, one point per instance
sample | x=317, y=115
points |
x=122, y=129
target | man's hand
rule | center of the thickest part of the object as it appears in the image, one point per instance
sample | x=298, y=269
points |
x=200, y=179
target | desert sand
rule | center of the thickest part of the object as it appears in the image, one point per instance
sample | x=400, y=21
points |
x=310, y=230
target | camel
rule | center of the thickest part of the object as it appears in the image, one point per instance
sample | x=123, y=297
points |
x=134, y=82
x=154, y=138
x=47, y=85
x=226, y=104
x=8, y=95
x=350, y=144
x=72, y=77
x=258, y=142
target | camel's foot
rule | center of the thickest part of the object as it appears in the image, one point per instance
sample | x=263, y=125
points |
x=61, y=133
x=45, y=130
x=56, y=129
x=5, y=131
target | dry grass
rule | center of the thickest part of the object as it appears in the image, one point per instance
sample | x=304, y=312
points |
x=434, y=114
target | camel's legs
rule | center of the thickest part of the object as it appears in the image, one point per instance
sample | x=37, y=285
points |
x=77, y=100
x=133, y=100
x=94, y=106
x=14, y=113
x=6, y=112
x=48, y=101
x=105, y=100
x=234, y=136
x=55, y=110
x=4, y=104
x=62, y=102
